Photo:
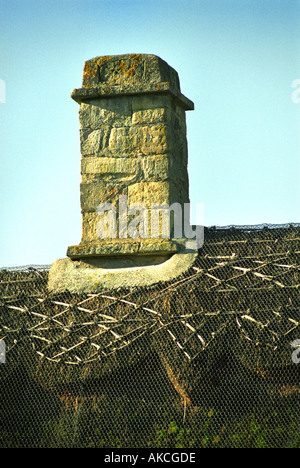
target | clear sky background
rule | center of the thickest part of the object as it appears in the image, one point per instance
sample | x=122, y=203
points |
x=236, y=59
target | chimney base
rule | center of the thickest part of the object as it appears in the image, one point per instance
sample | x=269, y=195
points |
x=102, y=273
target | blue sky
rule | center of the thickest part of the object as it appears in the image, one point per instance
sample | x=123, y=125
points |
x=236, y=60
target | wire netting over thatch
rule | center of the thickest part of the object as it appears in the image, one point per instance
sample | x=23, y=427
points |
x=202, y=361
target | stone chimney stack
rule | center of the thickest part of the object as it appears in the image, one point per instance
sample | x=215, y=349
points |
x=134, y=155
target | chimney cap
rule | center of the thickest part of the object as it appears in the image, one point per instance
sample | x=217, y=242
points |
x=129, y=74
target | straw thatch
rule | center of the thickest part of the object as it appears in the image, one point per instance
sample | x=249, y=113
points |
x=237, y=306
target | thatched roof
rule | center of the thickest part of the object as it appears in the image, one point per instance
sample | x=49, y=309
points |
x=241, y=295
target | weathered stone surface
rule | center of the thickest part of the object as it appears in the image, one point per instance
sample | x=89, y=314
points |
x=152, y=102
x=127, y=170
x=149, y=192
x=156, y=167
x=110, y=168
x=137, y=141
x=93, y=142
x=95, y=192
x=130, y=74
x=89, y=227
x=115, y=112
x=134, y=148
x=82, y=95
x=128, y=69
x=94, y=276
x=123, y=247
x=151, y=116
x=132, y=143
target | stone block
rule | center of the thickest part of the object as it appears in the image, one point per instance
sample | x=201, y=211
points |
x=97, y=113
x=94, y=276
x=120, y=142
x=89, y=227
x=93, y=142
x=151, y=116
x=152, y=102
x=149, y=192
x=155, y=168
x=137, y=141
x=126, y=247
x=128, y=70
x=110, y=169
x=94, y=192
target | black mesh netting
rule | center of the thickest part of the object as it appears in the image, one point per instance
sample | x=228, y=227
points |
x=202, y=361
